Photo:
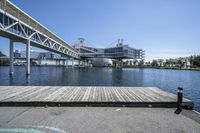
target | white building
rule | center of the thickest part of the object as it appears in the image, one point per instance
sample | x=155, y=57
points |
x=41, y=58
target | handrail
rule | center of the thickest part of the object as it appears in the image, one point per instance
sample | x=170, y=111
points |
x=10, y=8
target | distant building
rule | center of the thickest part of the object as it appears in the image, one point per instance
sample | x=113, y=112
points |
x=160, y=62
x=120, y=51
x=40, y=58
x=186, y=64
x=103, y=56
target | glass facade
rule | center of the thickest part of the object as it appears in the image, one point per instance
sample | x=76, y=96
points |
x=117, y=52
x=124, y=52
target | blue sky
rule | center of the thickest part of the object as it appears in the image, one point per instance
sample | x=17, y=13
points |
x=163, y=28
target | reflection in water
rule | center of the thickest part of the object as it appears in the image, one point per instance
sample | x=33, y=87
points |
x=28, y=77
x=117, y=76
x=11, y=81
x=166, y=79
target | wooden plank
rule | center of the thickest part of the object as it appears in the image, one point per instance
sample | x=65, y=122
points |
x=62, y=97
x=16, y=92
x=84, y=94
x=57, y=93
x=25, y=95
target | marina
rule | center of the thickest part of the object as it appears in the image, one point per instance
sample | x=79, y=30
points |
x=130, y=68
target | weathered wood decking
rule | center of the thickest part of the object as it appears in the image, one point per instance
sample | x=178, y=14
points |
x=87, y=96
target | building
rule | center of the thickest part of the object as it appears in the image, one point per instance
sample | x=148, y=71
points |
x=119, y=52
x=40, y=58
x=88, y=55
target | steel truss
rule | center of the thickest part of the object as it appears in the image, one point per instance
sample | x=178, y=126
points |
x=12, y=25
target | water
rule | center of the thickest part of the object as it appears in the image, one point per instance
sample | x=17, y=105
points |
x=166, y=79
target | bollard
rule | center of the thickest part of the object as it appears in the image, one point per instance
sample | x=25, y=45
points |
x=179, y=100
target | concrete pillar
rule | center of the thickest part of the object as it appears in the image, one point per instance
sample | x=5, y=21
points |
x=79, y=63
x=86, y=63
x=28, y=58
x=72, y=62
x=83, y=63
x=11, y=58
x=66, y=62
x=121, y=63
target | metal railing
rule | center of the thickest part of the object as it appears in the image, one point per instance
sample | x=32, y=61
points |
x=22, y=24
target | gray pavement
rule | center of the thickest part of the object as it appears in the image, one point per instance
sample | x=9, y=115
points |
x=97, y=120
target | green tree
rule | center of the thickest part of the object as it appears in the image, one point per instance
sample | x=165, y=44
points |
x=125, y=63
x=191, y=60
x=167, y=62
x=131, y=63
x=114, y=62
x=141, y=63
x=196, y=61
x=180, y=62
x=135, y=62
x=154, y=63
x=160, y=62
x=148, y=63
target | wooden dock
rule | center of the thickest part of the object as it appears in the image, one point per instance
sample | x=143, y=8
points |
x=87, y=96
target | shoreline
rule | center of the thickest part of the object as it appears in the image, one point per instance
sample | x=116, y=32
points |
x=167, y=68
x=150, y=67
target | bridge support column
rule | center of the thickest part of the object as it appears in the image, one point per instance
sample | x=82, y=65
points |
x=11, y=58
x=79, y=63
x=121, y=63
x=66, y=62
x=72, y=59
x=90, y=63
x=86, y=63
x=28, y=58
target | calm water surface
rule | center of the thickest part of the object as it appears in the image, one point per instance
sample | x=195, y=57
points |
x=166, y=79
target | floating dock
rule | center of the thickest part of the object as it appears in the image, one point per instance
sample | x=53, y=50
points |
x=88, y=96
